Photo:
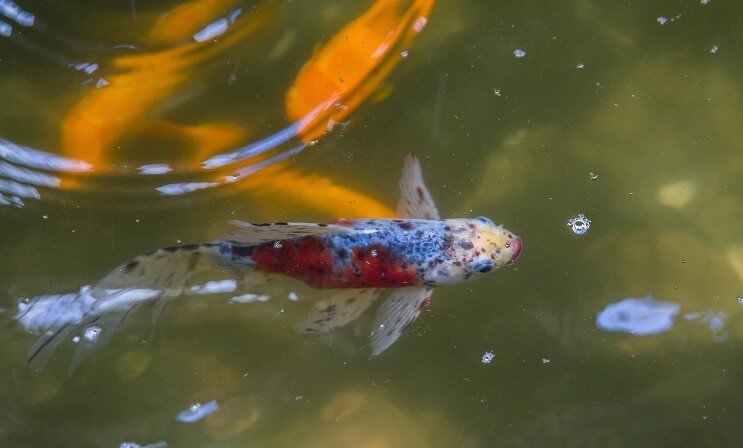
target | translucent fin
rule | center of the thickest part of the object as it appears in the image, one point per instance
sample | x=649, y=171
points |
x=46, y=345
x=252, y=234
x=396, y=314
x=415, y=201
x=171, y=267
x=341, y=307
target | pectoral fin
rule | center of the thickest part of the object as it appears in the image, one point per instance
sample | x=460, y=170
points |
x=415, y=201
x=396, y=314
x=341, y=307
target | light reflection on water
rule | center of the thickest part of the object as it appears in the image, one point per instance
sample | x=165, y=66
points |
x=603, y=88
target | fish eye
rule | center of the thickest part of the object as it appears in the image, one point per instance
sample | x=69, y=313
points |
x=484, y=220
x=483, y=267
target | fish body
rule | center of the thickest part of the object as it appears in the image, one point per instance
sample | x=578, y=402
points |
x=352, y=262
x=384, y=253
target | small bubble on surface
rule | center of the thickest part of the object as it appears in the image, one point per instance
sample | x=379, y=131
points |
x=714, y=49
x=277, y=245
x=704, y=2
x=404, y=53
x=45, y=216
x=92, y=333
x=293, y=296
x=579, y=224
x=593, y=176
x=374, y=252
x=580, y=66
x=740, y=300
x=75, y=339
x=662, y=20
x=519, y=53
x=232, y=79
x=546, y=360
x=488, y=357
x=496, y=91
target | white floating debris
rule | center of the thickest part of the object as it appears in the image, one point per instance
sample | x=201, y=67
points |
x=546, y=360
x=197, y=411
x=25, y=18
x=704, y=2
x=488, y=357
x=5, y=29
x=580, y=66
x=519, y=53
x=293, y=296
x=9, y=9
x=662, y=20
x=92, y=333
x=640, y=317
x=161, y=444
x=419, y=24
x=593, y=176
x=212, y=30
x=250, y=298
x=217, y=27
x=714, y=49
x=75, y=339
x=100, y=82
x=154, y=169
x=579, y=224
x=215, y=287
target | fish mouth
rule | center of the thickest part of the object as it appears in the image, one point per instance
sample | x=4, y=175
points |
x=516, y=245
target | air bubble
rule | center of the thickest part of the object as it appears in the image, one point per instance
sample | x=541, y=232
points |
x=277, y=245
x=579, y=224
x=519, y=53
x=593, y=176
x=488, y=357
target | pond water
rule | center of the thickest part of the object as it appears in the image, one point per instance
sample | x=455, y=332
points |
x=607, y=135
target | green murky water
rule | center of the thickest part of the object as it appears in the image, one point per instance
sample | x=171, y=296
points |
x=627, y=113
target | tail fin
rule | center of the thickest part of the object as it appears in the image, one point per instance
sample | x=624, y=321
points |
x=90, y=317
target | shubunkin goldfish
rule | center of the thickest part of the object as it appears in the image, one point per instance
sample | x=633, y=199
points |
x=353, y=262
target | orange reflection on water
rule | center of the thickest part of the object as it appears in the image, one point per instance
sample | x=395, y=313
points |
x=334, y=82
x=351, y=66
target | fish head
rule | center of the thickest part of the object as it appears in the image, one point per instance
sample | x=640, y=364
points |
x=474, y=247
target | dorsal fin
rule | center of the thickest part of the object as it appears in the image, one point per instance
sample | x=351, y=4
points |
x=252, y=234
x=415, y=200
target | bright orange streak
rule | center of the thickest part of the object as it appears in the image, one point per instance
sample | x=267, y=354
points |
x=354, y=62
x=292, y=187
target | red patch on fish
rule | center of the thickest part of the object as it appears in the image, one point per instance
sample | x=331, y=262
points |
x=308, y=259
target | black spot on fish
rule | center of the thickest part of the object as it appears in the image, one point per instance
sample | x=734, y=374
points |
x=406, y=225
x=242, y=251
x=131, y=265
x=466, y=245
x=419, y=190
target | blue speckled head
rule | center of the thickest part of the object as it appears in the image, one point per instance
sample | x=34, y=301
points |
x=473, y=247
